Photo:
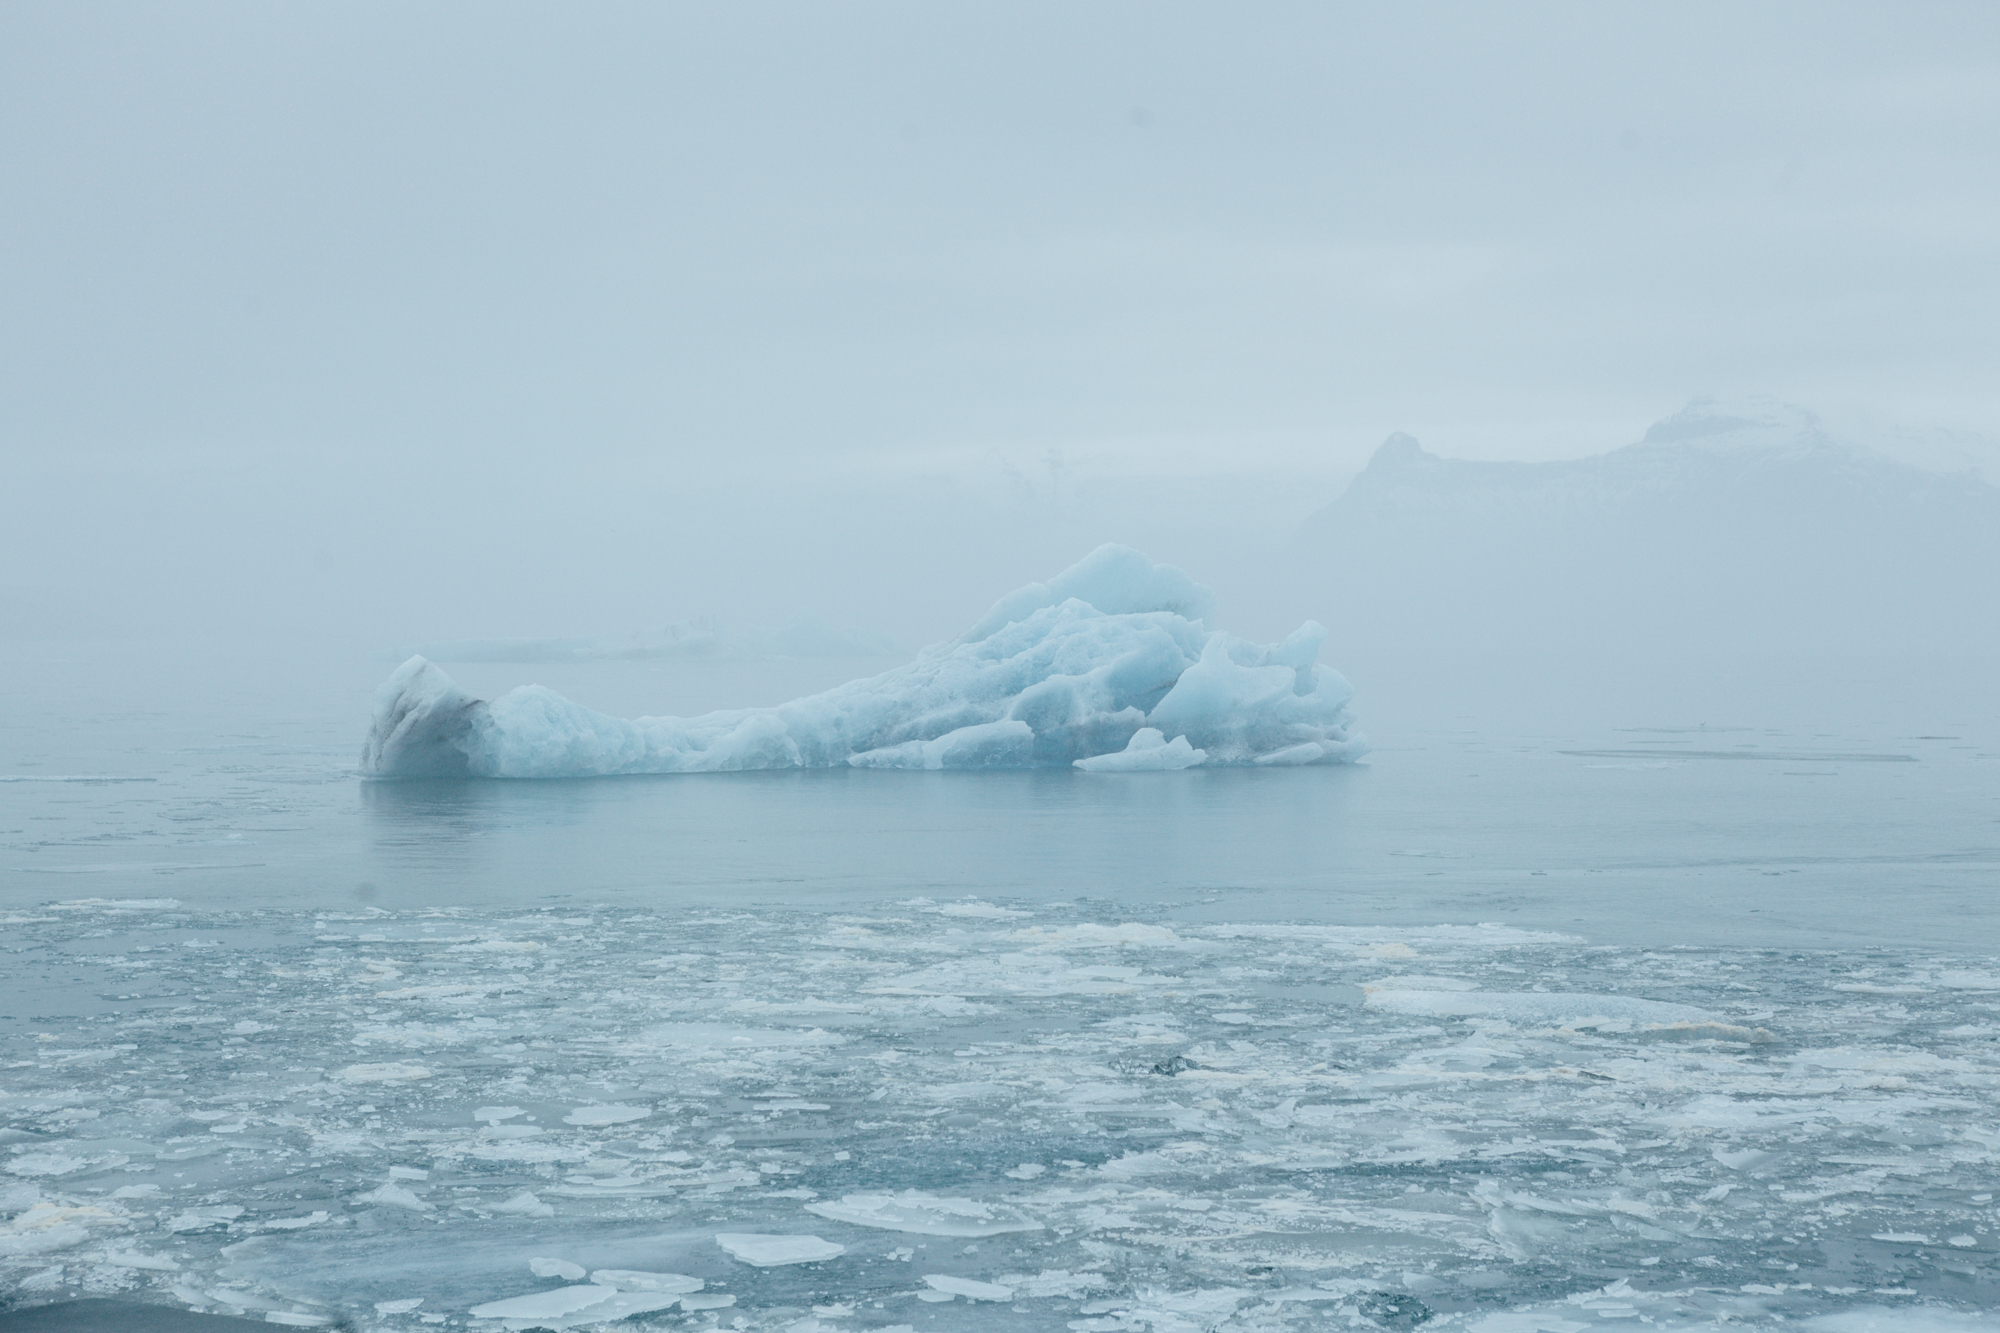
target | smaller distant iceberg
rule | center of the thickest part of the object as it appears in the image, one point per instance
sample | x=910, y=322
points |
x=1109, y=667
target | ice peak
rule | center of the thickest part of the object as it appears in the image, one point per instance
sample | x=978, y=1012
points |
x=1114, y=579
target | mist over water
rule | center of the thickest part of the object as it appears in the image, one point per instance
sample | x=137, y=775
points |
x=1611, y=386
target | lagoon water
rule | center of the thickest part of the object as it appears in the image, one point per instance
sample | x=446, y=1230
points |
x=1681, y=1007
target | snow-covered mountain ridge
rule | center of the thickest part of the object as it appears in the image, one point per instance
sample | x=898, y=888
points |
x=1731, y=530
x=1711, y=449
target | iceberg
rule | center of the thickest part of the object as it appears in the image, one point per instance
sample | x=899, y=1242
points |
x=1109, y=666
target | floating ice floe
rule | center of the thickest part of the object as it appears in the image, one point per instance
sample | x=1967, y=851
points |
x=561, y=1268
x=1108, y=666
x=925, y=1214
x=394, y=1196
x=526, y=1204
x=763, y=1250
x=968, y=1288
x=630, y=1279
x=571, y=1307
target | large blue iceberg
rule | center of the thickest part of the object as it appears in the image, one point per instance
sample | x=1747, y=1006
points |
x=1107, y=666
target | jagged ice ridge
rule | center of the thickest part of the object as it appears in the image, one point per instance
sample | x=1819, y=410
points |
x=1107, y=666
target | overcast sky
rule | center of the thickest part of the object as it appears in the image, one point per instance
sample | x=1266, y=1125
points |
x=874, y=234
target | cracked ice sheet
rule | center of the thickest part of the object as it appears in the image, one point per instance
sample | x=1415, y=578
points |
x=1125, y=1121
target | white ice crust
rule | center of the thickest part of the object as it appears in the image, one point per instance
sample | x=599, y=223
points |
x=1108, y=666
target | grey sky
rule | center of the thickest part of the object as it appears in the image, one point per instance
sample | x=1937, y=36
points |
x=740, y=237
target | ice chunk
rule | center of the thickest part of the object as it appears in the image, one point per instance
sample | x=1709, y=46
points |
x=544, y=1304
x=1149, y=751
x=631, y=1279
x=202, y=1219
x=561, y=1268
x=570, y=1307
x=1079, y=668
x=526, y=1204
x=769, y=1251
x=966, y=1287
x=925, y=1214
x=395, y=1196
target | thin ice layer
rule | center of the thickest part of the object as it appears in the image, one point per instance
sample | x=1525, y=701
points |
x=1072, y=670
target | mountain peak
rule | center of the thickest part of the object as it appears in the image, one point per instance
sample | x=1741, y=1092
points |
x=1751, y=420
x=1401, y=453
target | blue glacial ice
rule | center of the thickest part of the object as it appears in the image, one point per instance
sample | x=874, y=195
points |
x=1108, y=666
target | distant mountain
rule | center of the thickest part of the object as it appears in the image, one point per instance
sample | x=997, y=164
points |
x=1709, y=454
x=1742, y=527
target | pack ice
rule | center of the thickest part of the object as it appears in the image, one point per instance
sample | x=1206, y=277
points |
x=1107, y=666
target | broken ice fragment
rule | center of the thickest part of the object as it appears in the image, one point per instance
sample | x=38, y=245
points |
x=570, y=1307
x=770, y=1251
x=925, y=1214
x=966, y=1287
x=628, y=1279
x=394, y=1196
x=526, y=1204
x=561, y=1268
x=1149, y=751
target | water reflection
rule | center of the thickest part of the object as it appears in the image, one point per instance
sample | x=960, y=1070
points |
x=838, y=831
